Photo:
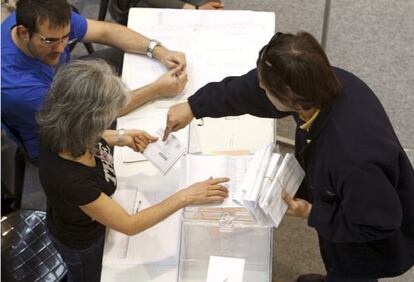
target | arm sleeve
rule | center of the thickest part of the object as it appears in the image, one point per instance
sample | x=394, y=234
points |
x=78, y=27
x=20, y=113
x=369, y=208
x=233, y=96
x=174, y=4
x=84, y=191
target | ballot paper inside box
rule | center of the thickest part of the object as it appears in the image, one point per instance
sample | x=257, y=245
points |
x=223, y=232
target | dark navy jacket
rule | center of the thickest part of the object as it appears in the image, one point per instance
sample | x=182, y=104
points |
x=359, y=179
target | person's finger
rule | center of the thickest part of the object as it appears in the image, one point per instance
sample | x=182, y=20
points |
x=286, y=197
x=213, y=181
x=176, y=70
x=218, y=5
x=149, y=137
x=173, y=64
x=179, y=58
x=142, y=140
x=134, y=146
x=182, y=75
x=181, y=78
x=140, y=149
x=216, y=199
x=141, y=143
x=217, y=193
x=167, y=132
x=140, y=146
x=219, y=187
x=289, y=200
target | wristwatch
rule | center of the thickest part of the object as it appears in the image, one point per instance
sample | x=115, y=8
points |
x=121, y=137
x=151, y=46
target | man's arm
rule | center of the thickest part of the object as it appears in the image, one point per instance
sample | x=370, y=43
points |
x=127, y=40
x=168, y=85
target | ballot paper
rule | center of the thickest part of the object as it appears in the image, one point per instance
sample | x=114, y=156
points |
x=150, y=246
x=164, y=154
x=289, y=176
x=147, y=122
x=226, y=269
x=252, y=182
x=198, y=168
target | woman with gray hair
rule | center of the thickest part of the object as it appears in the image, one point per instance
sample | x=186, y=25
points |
x=77, y=173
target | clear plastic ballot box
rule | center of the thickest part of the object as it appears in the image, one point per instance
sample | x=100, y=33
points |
x=230, y=233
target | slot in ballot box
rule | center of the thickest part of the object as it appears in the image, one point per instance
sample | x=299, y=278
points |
x=229, y=233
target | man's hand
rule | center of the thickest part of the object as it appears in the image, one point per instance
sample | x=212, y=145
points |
x=170, y=59
x=172, y=82
x=138, y=140
x=178, y=117
x=214, y=5
x=296, y=207
x=211, y=6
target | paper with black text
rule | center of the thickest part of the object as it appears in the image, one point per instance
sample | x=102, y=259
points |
x=148, y=122
x=164, y=154
x=201, y=167
x=288, y=177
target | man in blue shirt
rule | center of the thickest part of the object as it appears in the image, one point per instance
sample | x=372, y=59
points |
x=35, y=42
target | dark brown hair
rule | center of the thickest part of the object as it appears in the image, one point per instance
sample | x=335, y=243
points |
x=30, y=13
x=296, y=71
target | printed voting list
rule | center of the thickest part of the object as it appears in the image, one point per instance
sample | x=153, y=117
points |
x=162, y=154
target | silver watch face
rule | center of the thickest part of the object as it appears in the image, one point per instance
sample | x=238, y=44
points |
x=151, y=46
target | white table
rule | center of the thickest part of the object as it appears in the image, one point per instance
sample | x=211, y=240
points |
x=153, y=254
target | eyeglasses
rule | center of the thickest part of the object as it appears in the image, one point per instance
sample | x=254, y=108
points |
x=263, y=57
x=54, y=41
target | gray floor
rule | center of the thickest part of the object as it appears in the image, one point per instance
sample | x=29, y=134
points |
x=295, y=244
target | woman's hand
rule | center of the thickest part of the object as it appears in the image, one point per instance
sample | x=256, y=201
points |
x=296, y=207
x=138, y=140
x=207, y=191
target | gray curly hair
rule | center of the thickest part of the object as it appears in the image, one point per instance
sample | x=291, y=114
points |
x=84, y=99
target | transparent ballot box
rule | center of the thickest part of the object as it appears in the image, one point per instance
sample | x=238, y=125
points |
x=229, y=233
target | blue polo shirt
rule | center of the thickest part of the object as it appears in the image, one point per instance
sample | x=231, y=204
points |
x=25, y=81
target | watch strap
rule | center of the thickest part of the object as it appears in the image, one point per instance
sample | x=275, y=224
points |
x=151, y=46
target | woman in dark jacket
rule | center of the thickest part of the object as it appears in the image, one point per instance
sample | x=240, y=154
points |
x=359, y=188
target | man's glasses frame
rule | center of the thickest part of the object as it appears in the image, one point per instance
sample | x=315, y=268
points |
x=55, y=41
